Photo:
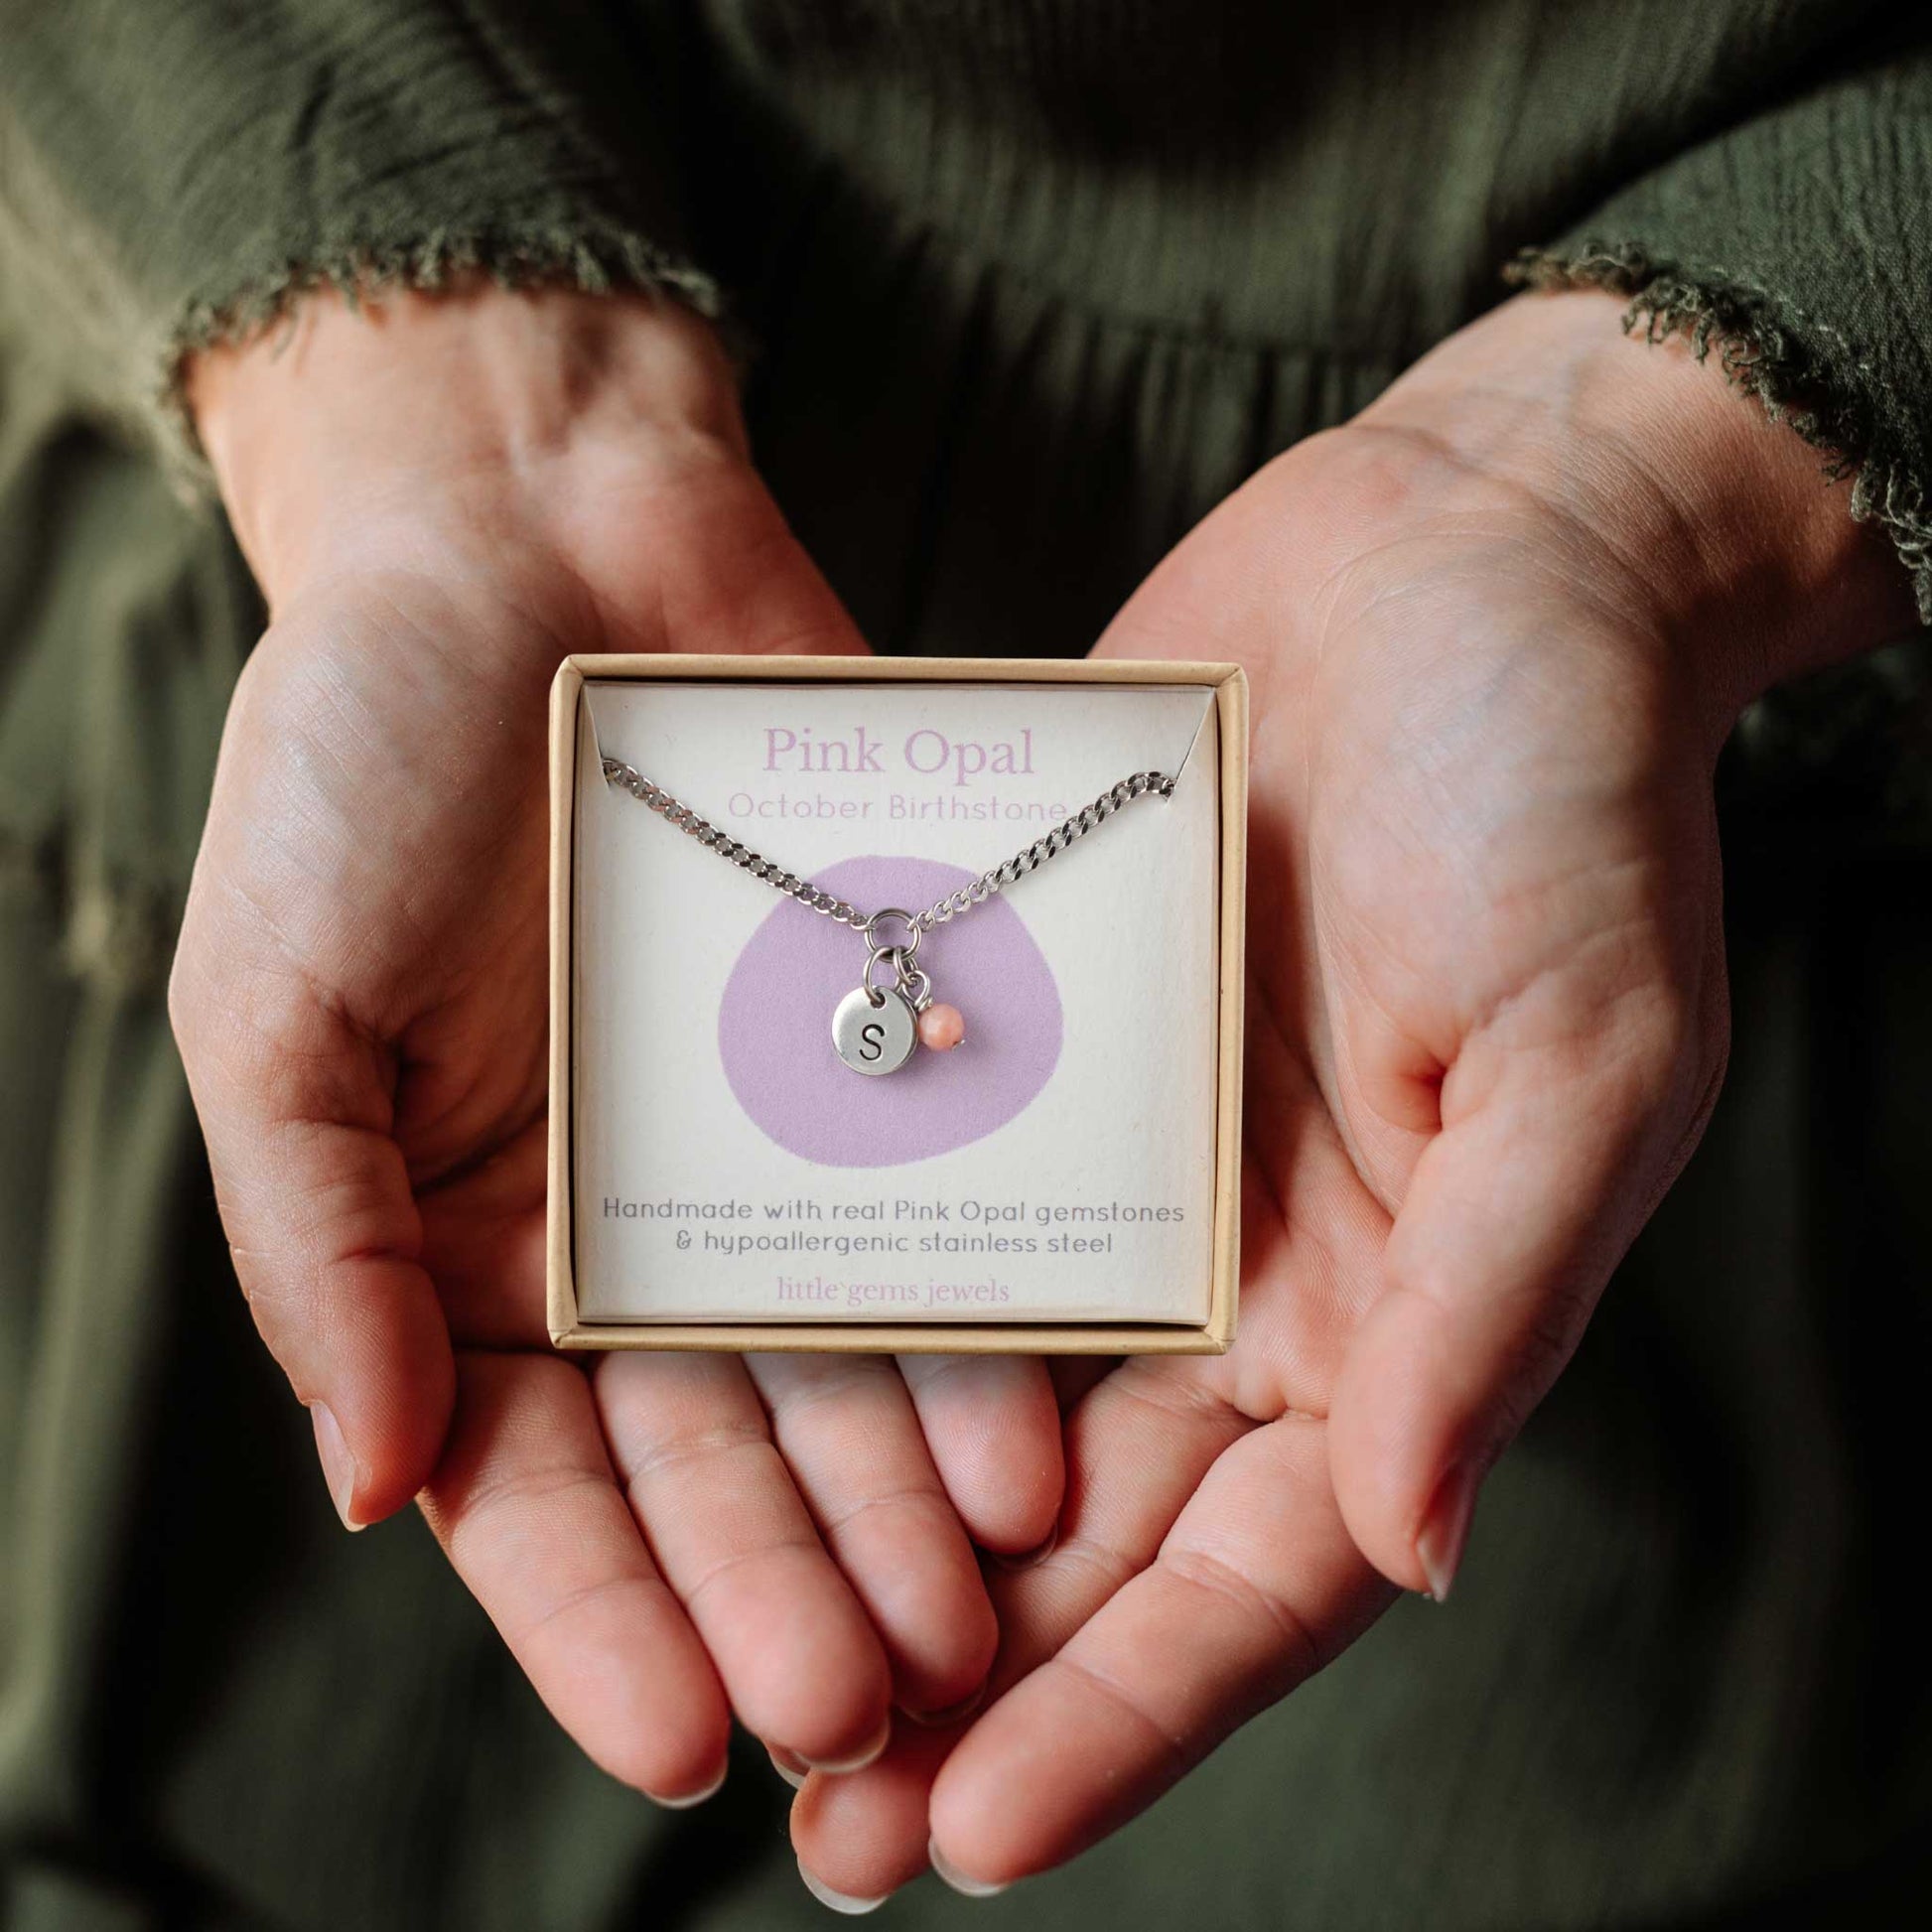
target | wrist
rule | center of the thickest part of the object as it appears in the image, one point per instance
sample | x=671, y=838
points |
x=1716, y=526
x=329, y=435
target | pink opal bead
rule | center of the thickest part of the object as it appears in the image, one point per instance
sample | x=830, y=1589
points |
x=942, y=1028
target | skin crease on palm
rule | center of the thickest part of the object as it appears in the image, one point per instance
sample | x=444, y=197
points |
x=1498, y=629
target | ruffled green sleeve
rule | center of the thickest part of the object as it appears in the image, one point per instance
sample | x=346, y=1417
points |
x=172, y=175
x=1797, y=247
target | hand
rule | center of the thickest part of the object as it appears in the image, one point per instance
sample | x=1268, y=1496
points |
x=441, y=497
x=1498, y=630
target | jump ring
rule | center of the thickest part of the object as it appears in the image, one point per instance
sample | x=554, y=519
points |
x=897, y=956
x=906, y=919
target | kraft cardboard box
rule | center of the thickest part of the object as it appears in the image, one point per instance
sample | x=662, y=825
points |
x=1066, y=1180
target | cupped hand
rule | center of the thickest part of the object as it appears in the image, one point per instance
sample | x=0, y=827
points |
x=1498, y=629
x=440, y=498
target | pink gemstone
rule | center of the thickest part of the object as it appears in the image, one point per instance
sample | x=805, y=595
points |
x=942, y=1028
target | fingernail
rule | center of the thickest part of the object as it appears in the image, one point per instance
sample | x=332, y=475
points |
x=1028, y=1557
x=1445, y=1529
x=951, y=1715
x=711, y=1790
x=839, y=1901
x=338, y=1465
x=795, y=1771
x=840, y=1768
x=951, y=1875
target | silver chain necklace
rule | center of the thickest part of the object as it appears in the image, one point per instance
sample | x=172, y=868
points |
x=874, y=1029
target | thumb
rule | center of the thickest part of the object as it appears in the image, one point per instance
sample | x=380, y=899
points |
x=321, y=1219
x=1550, y=1156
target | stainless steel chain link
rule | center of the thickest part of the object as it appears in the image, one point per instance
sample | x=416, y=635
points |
x=1139, y=784
x=875, y=1028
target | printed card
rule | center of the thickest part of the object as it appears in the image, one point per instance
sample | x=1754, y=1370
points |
x=1057, y=1166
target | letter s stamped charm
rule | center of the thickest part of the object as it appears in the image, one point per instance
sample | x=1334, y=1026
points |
x=874, y=1030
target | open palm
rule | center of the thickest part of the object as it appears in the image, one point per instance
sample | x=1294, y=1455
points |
x=360, y=995
x=1487, y=1021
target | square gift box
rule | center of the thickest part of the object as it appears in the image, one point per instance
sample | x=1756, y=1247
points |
x=722, y=1175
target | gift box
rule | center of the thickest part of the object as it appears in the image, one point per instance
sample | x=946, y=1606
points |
x=780, y=886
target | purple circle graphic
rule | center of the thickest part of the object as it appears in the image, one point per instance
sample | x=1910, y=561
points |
x=774, y=1027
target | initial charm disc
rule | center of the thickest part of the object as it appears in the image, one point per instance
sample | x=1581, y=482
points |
x=875, y=1032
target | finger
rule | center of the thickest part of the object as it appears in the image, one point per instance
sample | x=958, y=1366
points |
x=527, y=1506
x=1136, y=1448
x=321, y=1225
x=798, y=1656
x=846, y=1430
x=1553, y=1153
x=993, y=1425
x=864, y=1835
x=1256, y=1587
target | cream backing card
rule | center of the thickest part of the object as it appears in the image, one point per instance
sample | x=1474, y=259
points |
x=1060, y=1166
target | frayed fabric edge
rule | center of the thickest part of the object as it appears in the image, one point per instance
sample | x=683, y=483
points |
x=1765, y=358
x=594, y=259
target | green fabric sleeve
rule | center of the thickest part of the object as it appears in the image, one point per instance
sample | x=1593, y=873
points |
x=1798, y=245
x=173, y=175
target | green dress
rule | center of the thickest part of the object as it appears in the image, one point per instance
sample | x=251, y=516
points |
x=1025, y=287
